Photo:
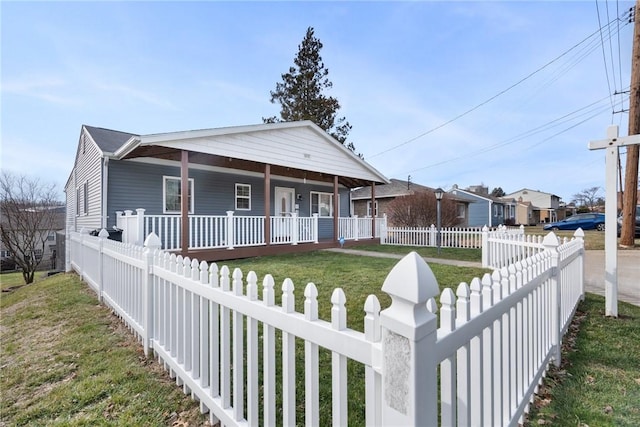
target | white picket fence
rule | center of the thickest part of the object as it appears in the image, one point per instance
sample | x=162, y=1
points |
x=450, y=237
x=491, y=341
x=501, y=249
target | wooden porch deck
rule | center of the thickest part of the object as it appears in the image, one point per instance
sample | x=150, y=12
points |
x=215, y=255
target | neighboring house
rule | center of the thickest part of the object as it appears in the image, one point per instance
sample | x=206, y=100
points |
x=256, y=172
x=47, y=255
x=545, y=206
x=361, y=200
x=485, y=209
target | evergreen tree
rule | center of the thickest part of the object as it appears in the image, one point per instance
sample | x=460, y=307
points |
x=300, y=94
x=498, y=192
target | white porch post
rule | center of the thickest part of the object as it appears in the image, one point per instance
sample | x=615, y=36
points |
x=356, y=232
x=409, y=334
x=315, y=227
x=295, y=228
x=140, y=226
x=611, y=144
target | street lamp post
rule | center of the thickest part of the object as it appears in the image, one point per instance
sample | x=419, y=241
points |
x=439, y=194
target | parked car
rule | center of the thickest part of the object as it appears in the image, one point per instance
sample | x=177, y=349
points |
x=637, y=233
x=586, y=221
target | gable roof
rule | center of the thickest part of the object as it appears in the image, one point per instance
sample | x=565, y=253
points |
x=467, y=193
x=301, y=146
x=107, y=140
x=394, y=188
x=533, y=191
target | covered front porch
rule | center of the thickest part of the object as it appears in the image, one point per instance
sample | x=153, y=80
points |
x=292, y=183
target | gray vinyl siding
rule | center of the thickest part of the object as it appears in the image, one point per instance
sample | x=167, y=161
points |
x=134, y=185
x=478, y=214
x=88, y=168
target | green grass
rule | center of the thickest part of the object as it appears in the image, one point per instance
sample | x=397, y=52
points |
x=67, y=361
x=474, y=255
x=598, y=383
x=11, y=280
x=359, y=277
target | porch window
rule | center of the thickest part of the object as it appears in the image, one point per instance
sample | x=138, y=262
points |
x=243, y=197
x=498, y=210
x=375, y=208
x=172, y=195
x=461, y=210
x=322, y=203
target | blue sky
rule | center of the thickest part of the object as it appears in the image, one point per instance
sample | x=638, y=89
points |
x=402, y=71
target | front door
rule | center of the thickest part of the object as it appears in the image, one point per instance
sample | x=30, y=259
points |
x=284, y=201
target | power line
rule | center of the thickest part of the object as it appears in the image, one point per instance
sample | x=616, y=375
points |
x=604, y=56
x=591, y=110
x=459, y=116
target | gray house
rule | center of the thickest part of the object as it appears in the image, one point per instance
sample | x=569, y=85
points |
x=485, y=209
x=250, y=188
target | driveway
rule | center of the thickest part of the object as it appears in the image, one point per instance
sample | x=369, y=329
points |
x=628, y=274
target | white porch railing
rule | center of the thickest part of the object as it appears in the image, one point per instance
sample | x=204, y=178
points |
x=491, y=341
x=216, y=231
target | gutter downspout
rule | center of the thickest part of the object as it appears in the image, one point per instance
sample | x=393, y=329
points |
x=105, y=185
x=490, y=213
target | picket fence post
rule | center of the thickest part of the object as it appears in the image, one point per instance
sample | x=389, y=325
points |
x=485, y=247
x=551, y=244
x=579, y=234
x=103, y=234
x=151, y=245
x=409, y=334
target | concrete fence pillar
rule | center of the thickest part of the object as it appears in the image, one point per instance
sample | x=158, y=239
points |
x=409, y=334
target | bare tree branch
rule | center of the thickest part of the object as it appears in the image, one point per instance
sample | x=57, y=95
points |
x=29, y=211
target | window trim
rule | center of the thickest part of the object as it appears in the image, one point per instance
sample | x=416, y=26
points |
x=166, y=178
x=321, y=193
x=85, y=195
x=239, y=197
x=375, y=208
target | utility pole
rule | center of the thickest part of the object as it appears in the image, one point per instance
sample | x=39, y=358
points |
x=630, y=194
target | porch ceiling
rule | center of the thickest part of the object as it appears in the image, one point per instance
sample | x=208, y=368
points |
x=166, y=153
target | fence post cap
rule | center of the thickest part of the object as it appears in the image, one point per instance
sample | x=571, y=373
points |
x=103, y=234
x=411, y=280
x=485, y=228
x=579, y=233
x=140, y=211
x=152, y=241
x=550, y=240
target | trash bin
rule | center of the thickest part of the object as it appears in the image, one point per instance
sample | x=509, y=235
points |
x=114, y=234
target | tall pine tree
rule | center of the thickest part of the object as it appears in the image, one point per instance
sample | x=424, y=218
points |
x=301, y=97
